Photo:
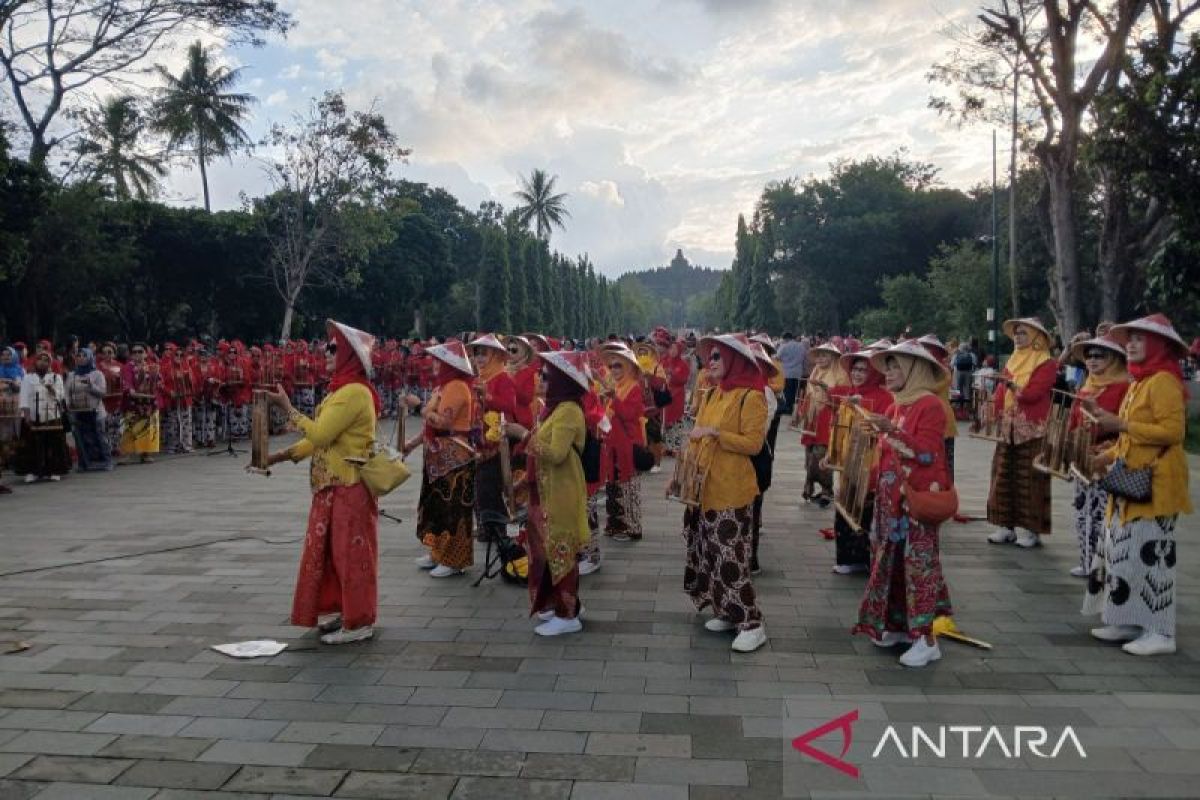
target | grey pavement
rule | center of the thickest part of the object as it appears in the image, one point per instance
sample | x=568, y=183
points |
x=121, y=582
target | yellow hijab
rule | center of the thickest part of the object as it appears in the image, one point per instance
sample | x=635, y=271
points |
x=494, y=366
x=831, y=376
x=1115, y=372
x=1025, y=360
x=920, y=378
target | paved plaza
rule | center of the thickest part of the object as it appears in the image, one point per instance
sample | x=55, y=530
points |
x=121, y=583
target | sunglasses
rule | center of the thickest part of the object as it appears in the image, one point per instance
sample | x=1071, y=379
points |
x=516, y=351
x=331, y=348
x=1095, y=354
x=715, y=355
x=616, y=365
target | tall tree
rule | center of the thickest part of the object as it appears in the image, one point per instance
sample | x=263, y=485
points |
x=540, y=207
x=330, y=168
x=49, y=50
x=494, y=279
x=531, y=267
x=762, y=297
x=111, y=149
x=743, y=272
x=196, y=108
x=518, y=289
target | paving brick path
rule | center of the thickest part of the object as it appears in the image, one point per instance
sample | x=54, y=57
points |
x=121, y=582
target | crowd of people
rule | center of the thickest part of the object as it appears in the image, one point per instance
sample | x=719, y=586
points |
x=526, y=432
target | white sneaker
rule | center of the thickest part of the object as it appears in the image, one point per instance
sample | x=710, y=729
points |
x=548, y=614
x=56, y=478
x=344, y=636
x=30, y=478
x=442, y=571
x=1078, y=572
x=891, y=639
x=558, y=626
x=1002, y=536
x=1150, y=644
x=1117, y=633
x=330, y=623
x=750, y=640
x=587, y=566
x=718, y=625
x=1027, y=539
x=921, y=653
x=425, y=562
x=657, y=468
x=848, y=569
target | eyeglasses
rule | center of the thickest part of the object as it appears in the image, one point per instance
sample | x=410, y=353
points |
x=331, y=348
x=715, y=355
x=1095, y=354
x=616, y=365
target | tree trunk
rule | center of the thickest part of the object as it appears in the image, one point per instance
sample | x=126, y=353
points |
x=289, y=311
x=203, y=172
x=1060, y=181
x=419, y=323
x=1013, y=279
x=1112, y=260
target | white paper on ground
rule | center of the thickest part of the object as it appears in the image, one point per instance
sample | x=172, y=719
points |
x=254, y=649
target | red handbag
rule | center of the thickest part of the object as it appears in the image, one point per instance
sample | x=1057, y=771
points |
x=931, y=507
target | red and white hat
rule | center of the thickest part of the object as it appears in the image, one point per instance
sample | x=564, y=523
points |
x=361, y=341
x=737, y=342
x=572, y=363
x=1106, y=341
x=910, y=348
x=880, y=344
x=765, y=362
x=537, y=341
x=489, y=340
x=453, y=353
x=1029, y=322
x=847, y=360
x=765, y=341
x=827, y=347
x=931, y=340
x=622, y=351
x=1156, y=324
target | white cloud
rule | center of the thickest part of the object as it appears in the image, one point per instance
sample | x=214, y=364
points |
x=662, y=119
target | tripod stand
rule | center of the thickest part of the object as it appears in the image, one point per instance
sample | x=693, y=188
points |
x=229, y=450
x=499, y=551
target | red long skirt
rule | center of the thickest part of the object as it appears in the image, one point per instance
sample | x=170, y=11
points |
x=340, y=564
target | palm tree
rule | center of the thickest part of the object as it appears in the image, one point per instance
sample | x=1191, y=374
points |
x=197, y=108
x=539, y=204
x=109, y=146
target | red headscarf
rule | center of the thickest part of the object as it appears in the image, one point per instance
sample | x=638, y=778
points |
x=1160, y=357
x=740, y=372
x=443, y=373
x=348, y=369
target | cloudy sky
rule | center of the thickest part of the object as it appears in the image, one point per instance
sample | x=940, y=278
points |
x=662, y=118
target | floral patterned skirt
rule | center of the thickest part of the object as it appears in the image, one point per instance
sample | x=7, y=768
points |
x=340, y=564
x=906, y=590
x=716, y=572
x=544, y=592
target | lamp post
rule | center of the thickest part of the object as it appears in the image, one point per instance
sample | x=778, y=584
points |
x=993, y=312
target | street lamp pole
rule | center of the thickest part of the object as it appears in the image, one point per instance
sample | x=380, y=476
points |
x=994, y=332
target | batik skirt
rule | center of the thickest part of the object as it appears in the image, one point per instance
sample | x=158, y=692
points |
x=1132, y=580
x=591, y=550
x=141, y=435
x=305, y=400
x=906, y=590
x=340, y=563
x=623, y=509
x=446, y=516
x=544, y=593
x=1090, y=504
x=205, y=415
x=675, y=435
x=114, y=431
x=177, y=431
x=716, y=571
x=1020, y=494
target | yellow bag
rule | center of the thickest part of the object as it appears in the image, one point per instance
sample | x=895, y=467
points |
x=384, y=471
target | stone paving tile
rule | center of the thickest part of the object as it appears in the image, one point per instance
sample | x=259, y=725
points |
x=57, y=743
x=48, y=720
x=245, y=730
x=210, y=707
x=710, y=772
x=387, y=786
x=83, y=791
x=606, y=721
x=479, y=762
x=534, y=741
x=178, y=775
x=19, y=790
x=148, y=724
x=579, y=768
x=155, y=747
x=73, y=769
x=10, y=762
x=639, y=744
x=286, y=780
x=419, y=736
x=588, y=790
x=490, y=788
x=121, y=702
x=330, y=733
x=282, y=754
x=361, y=757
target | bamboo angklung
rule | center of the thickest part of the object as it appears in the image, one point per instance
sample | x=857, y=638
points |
x=687, y=481
x=854, y=480
x=985, y=422
x=260, y=422
x=1056, y=452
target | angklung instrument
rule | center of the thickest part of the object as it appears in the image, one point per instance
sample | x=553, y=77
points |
x=854, y=479
x=260, y=429
x=687, y=481
x=985, y=422
x=844, y=419
x=1055, y=455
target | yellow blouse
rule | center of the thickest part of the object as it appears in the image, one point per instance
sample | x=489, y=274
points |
x=1154, y=411
x=344, y=427
x=741, y=417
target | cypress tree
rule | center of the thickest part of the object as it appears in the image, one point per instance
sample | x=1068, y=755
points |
x=533, y=287
x=518, y=289
x=762, y=296
x=743, y=271
x=494, y=280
